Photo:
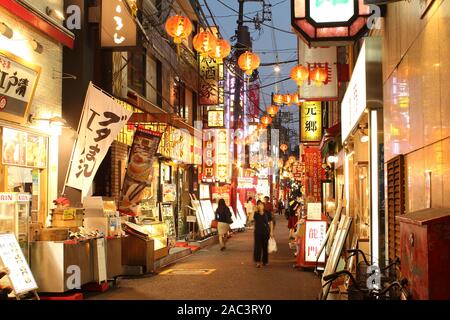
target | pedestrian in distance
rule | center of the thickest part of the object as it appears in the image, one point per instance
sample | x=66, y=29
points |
x=223, y=216
x=250, y=210
x=263, y=232
x=269, y=207
x=280, y=207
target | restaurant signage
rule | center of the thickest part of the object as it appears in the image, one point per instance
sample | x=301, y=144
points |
x=215, y=118
x=101, y=121
x=139, y=169
x=314, y=238
x=209, y=85
x=313, y=173
x=311, y=121
x=23, y=149
x=325, y=58
x=18, y=81
x=118, y=28
x=330, y=22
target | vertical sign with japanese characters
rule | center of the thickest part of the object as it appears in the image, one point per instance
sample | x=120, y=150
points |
x=222, y=156
x=313, y=173
x=118, y=28
x=314, y=237
x=311, y=122
x=101, y=121
x=209, y=85
x=208, y=155
x=325, y=58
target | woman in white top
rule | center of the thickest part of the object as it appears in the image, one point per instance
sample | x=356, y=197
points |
x=250, y=210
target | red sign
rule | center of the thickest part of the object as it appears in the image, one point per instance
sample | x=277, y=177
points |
x=208, y=156
x=253, y=97
x=313, y=173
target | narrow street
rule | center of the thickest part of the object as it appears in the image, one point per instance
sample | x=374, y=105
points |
x=234, y=275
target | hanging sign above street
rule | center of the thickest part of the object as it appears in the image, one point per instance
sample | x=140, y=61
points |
x=118, y=28
x=330, y=22
x=311, y=121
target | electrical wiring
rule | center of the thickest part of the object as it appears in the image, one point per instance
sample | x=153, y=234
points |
x=267, y=25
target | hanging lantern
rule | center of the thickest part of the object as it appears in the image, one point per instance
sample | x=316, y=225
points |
x=280, y=163
x=266, y=120
x=287, y=99
x=319, y=76
x=284, y=147
x=299, y=74
x=278, y=98
x=178, y=27
x=260, y=127
x=248, y=61
x=221, y=50
x=272, y=110
x=295, y=98
x=291, y=159
x=204, y=42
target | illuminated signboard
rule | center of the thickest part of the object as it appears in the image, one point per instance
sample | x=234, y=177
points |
x=325, y=58
x=118, y=28
x=311, y=121
x=326, y=11
x=330, y=22
x=222, y=161
x=215, y=118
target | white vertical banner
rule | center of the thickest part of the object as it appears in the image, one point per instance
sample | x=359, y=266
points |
x=320, y=57
x=100, y=123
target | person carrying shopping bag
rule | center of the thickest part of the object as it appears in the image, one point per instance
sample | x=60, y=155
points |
x=223, y=216
x=263, y=232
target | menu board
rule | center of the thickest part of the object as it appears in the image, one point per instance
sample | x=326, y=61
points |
x=12, y=258
x=23, y=149
x=169, y=192
x=168, y=218
x=208, y=211
x=314, y=211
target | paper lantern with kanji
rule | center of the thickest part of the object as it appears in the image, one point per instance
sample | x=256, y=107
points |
x=204, y=42
x=278, y=98
x=266, y=120
x=248, y=61
x=319, y=76
x=287, y=99
x=178, y=27
x=272, y=110
x=221, y=50
x=299, y=74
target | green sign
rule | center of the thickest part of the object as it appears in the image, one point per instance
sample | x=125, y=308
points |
x=330, y=11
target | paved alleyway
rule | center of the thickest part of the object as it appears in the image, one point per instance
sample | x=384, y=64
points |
x=235, y=275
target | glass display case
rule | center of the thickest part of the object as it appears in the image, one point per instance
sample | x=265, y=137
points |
x=15, y=213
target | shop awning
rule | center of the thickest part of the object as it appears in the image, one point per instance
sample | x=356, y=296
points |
x=31, y=15
x=153, y=113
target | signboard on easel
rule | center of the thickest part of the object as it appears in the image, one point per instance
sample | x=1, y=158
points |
x=11, y=257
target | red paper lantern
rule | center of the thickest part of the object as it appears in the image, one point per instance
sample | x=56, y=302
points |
x=178, y=27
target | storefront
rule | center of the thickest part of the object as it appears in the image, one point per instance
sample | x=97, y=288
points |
x=362, y=138
x=30, y=111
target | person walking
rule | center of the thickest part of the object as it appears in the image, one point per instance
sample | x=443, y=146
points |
x=250, y=210
x=280, y=207
x=263, y=232
x=223, y=216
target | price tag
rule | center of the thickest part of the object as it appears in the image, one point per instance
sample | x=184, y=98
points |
x=69, y=214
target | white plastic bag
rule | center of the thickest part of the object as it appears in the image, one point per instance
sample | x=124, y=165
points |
x=272, y=246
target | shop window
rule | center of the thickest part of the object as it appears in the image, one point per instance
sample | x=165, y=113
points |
x=136, y=72
x=154, y=81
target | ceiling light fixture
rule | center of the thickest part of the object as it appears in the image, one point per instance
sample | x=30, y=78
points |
x=6, y=31
x=56, y=14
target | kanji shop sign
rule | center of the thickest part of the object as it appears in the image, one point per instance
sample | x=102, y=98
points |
x=313, y=173
x=209, y=86
x=18, y=81
x=311, y=121
x=118, y=28
x=100, y=123
x=330, y=22
x=325, y=58
x=222, y=156
x=208, y=156
x=216, y=118
x=314, y=238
